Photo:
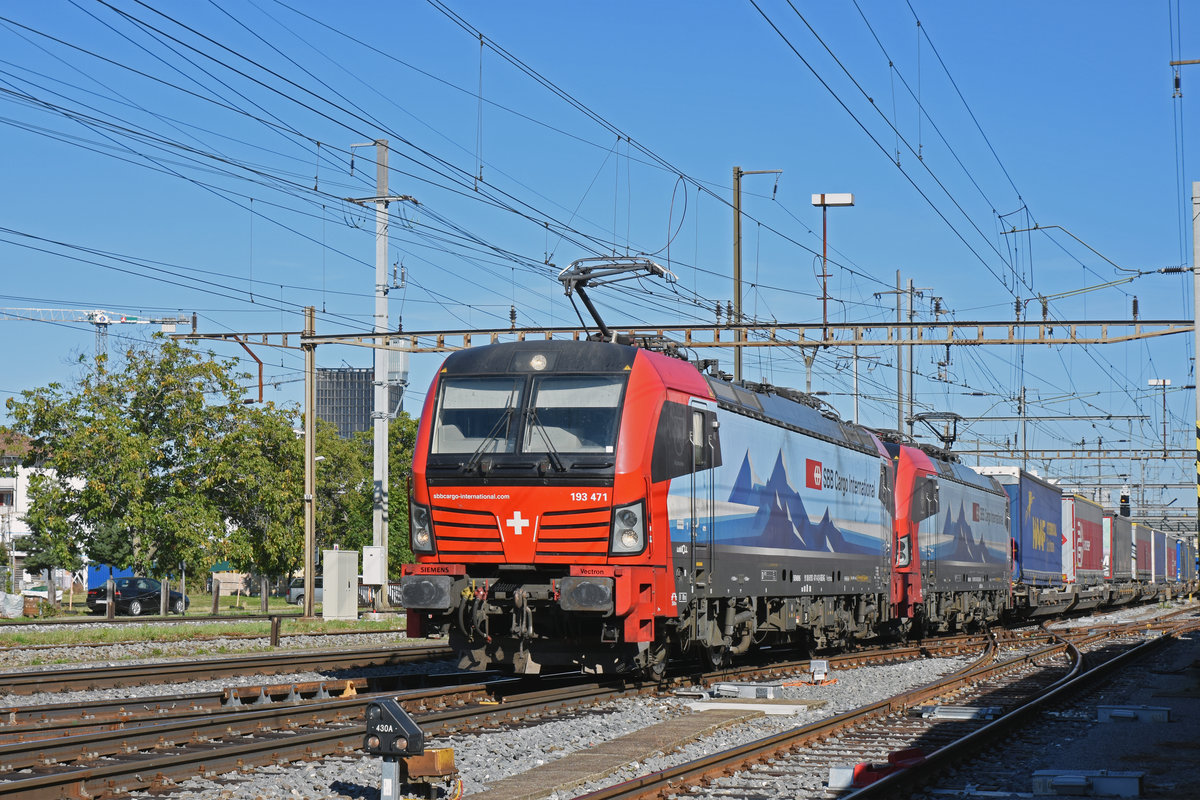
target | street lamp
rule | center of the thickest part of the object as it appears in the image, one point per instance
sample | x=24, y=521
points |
x=825, y=201
x=1164, y=383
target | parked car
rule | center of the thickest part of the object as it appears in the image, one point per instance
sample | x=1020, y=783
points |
x=295, y=593
x=136, y=596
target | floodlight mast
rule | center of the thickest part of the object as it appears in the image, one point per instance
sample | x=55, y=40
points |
x=601, y=270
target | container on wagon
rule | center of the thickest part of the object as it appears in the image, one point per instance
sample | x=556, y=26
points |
x=1083, y=541
x=1035, y=513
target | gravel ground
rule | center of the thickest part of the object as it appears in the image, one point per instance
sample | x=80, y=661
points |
x=1122, y=615
x=488, y=757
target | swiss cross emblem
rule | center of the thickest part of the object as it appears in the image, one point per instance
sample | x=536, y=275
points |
x=812, y=474
x=516, y=523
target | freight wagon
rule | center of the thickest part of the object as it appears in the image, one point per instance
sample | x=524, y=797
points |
x=1083, y=550
x=1118, y=559
x=1035, y=514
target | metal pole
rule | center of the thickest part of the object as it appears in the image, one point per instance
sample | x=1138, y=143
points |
x=379, y=512
x=1024, y=441
x=310, y=460
x=737, y=272
x=824, y=273
x=1164, y=394
x=899, y=362
x=738, y=335
x=855, y=384
x=1196, y=336
x=910, y=358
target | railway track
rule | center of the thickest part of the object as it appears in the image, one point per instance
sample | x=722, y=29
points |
x=123, y=675
x=202, y=638
x=882, y=749
x=178, y=737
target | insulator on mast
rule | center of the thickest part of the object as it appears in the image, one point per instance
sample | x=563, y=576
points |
x=512, y=317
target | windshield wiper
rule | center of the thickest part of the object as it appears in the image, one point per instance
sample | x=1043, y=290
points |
x=555, y=459
x=492, y=435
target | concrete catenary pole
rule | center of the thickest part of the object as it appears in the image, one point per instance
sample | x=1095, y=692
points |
x=310, y=460
x=379, y=414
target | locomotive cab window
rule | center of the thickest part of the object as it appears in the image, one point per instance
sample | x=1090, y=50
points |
x=477, y=414
x=924, y=501
x=574, y=414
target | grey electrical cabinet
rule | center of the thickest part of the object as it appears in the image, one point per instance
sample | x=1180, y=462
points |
x=340, y=599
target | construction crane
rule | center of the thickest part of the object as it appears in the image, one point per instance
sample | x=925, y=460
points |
x=99, y=318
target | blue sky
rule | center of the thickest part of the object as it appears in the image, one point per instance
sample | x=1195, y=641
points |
x=195, y=158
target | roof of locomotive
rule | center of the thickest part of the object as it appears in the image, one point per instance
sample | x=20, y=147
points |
x=791, y=410
x=778, y=406
x=562, y=355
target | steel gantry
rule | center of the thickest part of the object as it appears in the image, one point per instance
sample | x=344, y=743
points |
x=882, y=334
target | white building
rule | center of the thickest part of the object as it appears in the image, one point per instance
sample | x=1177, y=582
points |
x=14, y=503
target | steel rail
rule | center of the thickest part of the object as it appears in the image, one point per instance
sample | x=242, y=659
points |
x=23, y=720
x=114, y=676
x=698, y=771
x=270, y=745
x=127, y=620
x=735, y=759
x=137, y=772
x=204, y=637
x=1073, y=683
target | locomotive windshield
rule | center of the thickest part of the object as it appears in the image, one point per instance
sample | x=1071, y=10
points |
x=477, y=415
x=558, y=414
x=574, y=414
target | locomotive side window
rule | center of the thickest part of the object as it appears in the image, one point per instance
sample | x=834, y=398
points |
x=477, y=415
x=924, y=498
x=574, y=414
x=697, y=437
x=686, y=441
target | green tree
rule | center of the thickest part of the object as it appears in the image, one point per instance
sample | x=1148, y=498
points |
x=50, y=543
x=402, y=439
x=259, y=490
x=343, y=489
x=157, y=452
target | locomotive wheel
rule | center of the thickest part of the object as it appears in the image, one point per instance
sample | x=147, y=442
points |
x=657, y=659
x=716, y=656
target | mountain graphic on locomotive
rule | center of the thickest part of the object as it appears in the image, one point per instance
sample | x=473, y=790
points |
x=599, y=506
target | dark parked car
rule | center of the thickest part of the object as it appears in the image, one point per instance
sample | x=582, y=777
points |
x=136, y=596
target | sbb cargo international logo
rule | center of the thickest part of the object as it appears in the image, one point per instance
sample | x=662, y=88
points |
x=812, y=473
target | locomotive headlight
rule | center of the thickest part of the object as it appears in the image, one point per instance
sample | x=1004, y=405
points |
x=421, y=534
x=538, y=362
x=628, y=530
